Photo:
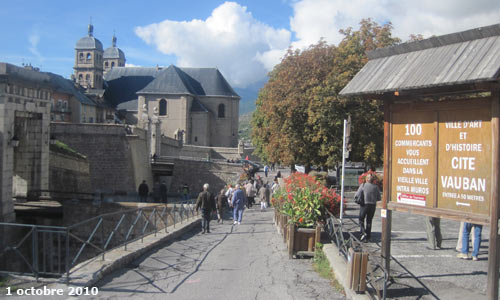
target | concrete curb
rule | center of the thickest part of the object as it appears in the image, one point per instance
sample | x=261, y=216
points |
x=339, y=268
x=88, y=273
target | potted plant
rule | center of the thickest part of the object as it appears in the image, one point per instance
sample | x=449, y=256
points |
x=303, y=200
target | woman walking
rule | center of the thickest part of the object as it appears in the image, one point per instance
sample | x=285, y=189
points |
x=371, y=195
x=221, y=201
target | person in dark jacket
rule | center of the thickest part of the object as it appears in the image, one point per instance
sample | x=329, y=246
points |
x=371, y=194
x=143, y=191
x=206, y=202
x=163, y=191
x=156, y=192
x=221, y=201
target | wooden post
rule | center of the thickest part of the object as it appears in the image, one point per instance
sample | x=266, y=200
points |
x=387, y=221
x=291, y=239
x=493, y=253
x=317, y=236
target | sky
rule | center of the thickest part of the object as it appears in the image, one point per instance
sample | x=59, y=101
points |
x=243, y=39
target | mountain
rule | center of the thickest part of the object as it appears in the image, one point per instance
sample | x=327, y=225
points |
x=248, y=96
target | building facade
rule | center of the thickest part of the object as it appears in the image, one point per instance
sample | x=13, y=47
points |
x=89, y=61
x=24, y=127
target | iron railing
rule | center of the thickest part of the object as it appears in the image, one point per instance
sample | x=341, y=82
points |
x=40, y=250
x=344, y=239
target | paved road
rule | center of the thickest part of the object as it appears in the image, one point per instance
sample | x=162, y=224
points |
x=420, y=273
x=247, y=261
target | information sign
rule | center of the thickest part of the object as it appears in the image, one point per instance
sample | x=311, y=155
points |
x=413, y=158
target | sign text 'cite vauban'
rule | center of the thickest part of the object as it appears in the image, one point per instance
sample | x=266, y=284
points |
x=463, y=159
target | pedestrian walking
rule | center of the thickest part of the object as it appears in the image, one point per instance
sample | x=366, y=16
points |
x=156, y=192
x=185, y=192
x=205, y=201
x=229, y=194
x=263, y=196
x=465, y=241
x=220, y=202
x=250, y=189
x=371, y=194
x=143, y=191
x=238, y=203
x=163, y=191
x=266, y=170
x=434, y=237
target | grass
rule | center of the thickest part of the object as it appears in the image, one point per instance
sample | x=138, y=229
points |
x=322, y=267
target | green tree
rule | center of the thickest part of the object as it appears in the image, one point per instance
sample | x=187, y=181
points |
x=299, y=115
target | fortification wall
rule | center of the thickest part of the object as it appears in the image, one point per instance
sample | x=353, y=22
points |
x=68, y=173
x=196, y=173
x=117, y=160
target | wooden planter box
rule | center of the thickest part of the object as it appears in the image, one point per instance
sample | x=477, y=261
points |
x=302, y=241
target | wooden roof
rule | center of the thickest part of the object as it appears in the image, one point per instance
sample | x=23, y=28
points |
x=459, y=58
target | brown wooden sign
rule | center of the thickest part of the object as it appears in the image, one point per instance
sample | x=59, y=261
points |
x=441, y=158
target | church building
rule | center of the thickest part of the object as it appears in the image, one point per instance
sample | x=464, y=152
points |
x=195, y=105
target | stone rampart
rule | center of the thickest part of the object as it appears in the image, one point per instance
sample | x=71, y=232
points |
x=118, y=161
x=196, y=173
x=68, y=173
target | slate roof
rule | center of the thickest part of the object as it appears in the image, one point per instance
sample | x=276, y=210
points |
x=459, y=58
x=88, y=43
x=197, y=106
x=23, y=74
x=191, y=81
x=114, y=52
x=123, y=83
x=129, y=105
x=49, y=80
x=64, y=85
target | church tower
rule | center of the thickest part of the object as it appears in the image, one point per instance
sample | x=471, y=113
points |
x=113, y=56
x=89, y=61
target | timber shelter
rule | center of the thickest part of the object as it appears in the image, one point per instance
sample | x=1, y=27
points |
x=441, y=101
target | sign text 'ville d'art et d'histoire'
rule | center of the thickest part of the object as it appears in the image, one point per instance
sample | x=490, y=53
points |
x=460, y=169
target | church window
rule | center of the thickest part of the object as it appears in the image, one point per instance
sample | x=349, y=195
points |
x=106, y=64
x=87, y=78
x=112, y=64
x=195, y=139
x=163, y=107
x=81, y=56
x=221, y=111
x=89, y=56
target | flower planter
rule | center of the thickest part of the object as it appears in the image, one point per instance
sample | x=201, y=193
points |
x=302, y=241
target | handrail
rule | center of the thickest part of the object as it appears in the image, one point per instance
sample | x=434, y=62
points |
x=335, y=230
x=35, y=248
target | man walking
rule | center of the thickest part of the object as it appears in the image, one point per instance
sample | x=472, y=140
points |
x=263, y=195
x=143, y=191
x=238, y=203
x=206, y=202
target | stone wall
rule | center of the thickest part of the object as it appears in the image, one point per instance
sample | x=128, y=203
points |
x=68, y=173
x=196, y=173
x=118, y=161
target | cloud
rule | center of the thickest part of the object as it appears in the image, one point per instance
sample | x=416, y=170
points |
x=231, y=39
x=34, y=39
x=313, y=19
x=245, y=49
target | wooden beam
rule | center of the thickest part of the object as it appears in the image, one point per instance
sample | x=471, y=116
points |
x=493, y=253
x=387, y=221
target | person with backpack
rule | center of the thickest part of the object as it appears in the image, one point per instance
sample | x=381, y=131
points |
x=367, y=195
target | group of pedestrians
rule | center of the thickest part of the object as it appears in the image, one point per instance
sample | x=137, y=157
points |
x=236, y=199
x=159, y=192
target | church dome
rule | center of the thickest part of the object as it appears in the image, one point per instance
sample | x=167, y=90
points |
x=113, y=52
x=89, y=42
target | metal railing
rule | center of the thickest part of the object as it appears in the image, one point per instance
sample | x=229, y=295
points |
x=41, y=250
x=345, y=239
